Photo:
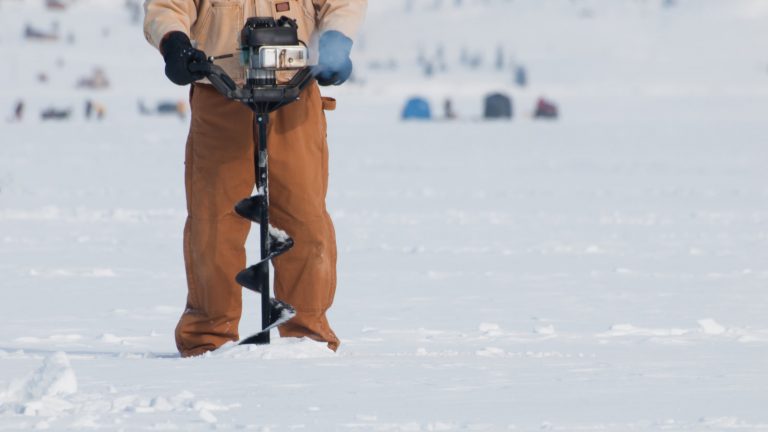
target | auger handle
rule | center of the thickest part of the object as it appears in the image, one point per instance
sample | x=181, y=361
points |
x=276, y=95
x=216, y=75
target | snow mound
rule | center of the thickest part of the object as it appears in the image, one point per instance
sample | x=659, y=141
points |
x=42, y=391
x=284, y=348
x=183, y=402
x=547, y=330
x=630, y=330
x=54, y=378
x=711, y=327
x=278, y=233
x=490, y=329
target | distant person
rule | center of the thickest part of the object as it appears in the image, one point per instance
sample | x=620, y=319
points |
x=181, y=109
x=143, y=109
x=521, y=76
x=429, y=69
x=500, y=58
x=18, y=112
x=134, y=8
x=448, y=108
x=100, y=110
x=97, y=80
x=94, y=110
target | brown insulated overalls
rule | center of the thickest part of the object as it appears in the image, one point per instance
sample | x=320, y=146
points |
x=220, y=172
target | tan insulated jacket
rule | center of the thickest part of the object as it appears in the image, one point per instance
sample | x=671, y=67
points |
x=215, y=24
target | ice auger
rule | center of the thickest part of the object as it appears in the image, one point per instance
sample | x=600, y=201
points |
x=267, y=46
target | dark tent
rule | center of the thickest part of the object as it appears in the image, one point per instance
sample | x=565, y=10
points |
x=417, y=109
x=498, y=106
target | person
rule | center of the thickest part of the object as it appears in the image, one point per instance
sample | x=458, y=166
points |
x=450, y=114
x=181, y=109
x=100, y=110
x=143, y=109
x=18, y=112
x=219, y=164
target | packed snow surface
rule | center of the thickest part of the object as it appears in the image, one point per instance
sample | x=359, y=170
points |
x=605, y=271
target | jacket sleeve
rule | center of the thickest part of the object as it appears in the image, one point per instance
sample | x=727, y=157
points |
x=345, y=16
x=164, y=16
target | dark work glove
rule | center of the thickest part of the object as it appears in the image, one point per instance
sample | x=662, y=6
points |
x=178, y=55
x=334, y=66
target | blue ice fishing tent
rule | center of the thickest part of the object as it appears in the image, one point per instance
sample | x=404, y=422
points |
x=417, y=108
x=498, y=106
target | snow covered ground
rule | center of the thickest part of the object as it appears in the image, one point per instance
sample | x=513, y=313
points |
x=604, y=272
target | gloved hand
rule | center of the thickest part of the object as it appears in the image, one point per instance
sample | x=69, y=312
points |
x=334, y=66
x=178, y=55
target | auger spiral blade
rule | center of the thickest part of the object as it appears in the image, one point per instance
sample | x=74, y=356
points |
x=280, y=313
x=279, y=243
x=251, y=277
x=250, y=208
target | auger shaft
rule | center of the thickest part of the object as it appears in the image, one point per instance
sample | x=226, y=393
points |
x=262, y=185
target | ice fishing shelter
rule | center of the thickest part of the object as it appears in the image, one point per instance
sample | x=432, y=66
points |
x=498, y=106
x=32, y=33
x=546, y=109
x=417, y=108
x=55, y=4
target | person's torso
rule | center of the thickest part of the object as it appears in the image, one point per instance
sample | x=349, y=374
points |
x=219, y=22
